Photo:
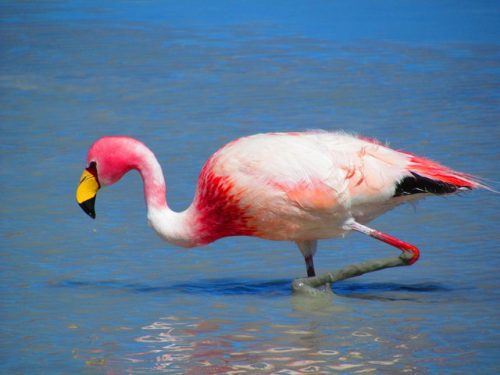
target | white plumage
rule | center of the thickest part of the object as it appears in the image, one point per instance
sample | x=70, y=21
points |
x=303, y=186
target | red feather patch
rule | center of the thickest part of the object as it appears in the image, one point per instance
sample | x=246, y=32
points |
x=436, y=171
x=220, y=213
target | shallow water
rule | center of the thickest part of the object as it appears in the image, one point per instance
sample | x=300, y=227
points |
x=108, y=296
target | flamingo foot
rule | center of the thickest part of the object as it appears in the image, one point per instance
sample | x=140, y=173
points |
x=317, y=285
x=320, y=285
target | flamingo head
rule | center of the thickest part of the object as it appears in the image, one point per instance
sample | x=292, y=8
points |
x=108, y=159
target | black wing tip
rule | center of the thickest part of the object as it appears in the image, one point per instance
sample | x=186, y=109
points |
x=417, y=184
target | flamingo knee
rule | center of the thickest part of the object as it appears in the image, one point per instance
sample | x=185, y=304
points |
x=388, y=239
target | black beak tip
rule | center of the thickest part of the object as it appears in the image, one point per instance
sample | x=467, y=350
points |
x=88, y=207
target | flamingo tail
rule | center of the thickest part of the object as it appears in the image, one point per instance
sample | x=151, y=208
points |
x=428, y=176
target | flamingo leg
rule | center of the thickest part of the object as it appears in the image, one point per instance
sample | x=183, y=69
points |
x=401, y=245
x=310, y=266
x=308, y=249
x=409, y=255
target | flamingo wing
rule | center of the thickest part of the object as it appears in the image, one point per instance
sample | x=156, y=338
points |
x=304, y=186
x=293, y=186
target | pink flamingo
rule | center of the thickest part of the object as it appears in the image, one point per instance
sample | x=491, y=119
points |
x=300, y=187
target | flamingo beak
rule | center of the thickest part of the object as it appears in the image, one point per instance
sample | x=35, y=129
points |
x=87, y=191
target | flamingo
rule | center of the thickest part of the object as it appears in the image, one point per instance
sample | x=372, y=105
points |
x=296, y=186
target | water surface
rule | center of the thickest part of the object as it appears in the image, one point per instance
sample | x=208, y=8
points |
x=108, y=296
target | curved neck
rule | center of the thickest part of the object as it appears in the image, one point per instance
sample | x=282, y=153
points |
x=152, y=176
x=174, y=227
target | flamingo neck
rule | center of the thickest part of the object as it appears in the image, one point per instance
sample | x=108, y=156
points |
x=174, y=227
x=152, y=176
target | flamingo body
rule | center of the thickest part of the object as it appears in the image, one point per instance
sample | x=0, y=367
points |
x=280, y=186
x=303, y=186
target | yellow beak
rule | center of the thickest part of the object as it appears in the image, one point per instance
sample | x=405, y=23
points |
x=86, y=192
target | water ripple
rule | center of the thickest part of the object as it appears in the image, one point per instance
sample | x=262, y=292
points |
x=276, y=288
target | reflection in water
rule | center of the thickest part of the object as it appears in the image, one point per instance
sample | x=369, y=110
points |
x=335, y=339
x=196, y=346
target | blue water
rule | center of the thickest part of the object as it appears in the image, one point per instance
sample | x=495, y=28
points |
x=108, y=296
